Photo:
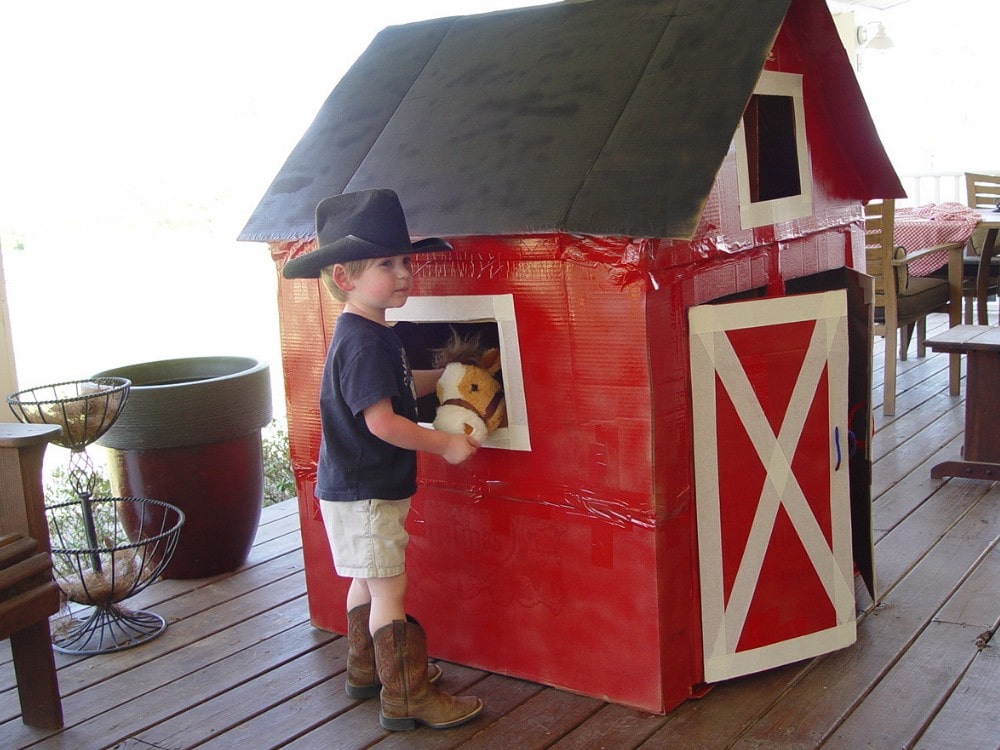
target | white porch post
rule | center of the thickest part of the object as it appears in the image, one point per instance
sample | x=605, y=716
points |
x=8, y=373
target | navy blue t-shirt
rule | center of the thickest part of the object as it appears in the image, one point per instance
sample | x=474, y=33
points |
x=365, y=364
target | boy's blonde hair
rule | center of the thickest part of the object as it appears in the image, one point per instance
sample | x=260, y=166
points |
x=353, y=268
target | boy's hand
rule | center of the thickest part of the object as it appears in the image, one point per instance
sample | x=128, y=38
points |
x=401, y=432
x=460, y=448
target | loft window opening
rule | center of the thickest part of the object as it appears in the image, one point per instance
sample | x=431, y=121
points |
x=773, y=164
x=772, y=156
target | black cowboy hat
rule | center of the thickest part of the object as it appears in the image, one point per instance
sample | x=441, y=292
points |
x=355, y=226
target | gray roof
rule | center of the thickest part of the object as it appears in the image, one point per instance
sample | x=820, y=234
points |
x=608, y=117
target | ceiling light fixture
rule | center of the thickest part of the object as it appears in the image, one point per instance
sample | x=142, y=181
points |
x=880, y=40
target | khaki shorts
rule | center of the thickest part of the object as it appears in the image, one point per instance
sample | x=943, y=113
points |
x=367, y=537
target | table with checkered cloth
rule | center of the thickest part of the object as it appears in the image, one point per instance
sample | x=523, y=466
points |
x=930, y=225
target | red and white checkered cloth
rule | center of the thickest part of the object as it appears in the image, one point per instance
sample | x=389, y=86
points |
x=930, y=225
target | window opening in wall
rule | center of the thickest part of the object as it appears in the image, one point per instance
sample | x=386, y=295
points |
x=422, y=339
x=427, y=323
x=773, y=165
x=772, y=157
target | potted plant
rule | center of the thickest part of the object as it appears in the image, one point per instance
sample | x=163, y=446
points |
x=190, y=436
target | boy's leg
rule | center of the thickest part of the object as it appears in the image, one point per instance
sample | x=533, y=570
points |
x=369, y=600
x=408, y=695
x=388, y=597
x=362, y=674
x=358, y=594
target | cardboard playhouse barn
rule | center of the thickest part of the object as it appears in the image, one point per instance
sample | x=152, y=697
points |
x=656, y=209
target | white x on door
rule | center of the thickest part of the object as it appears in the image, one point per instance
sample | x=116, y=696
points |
x=769, y=382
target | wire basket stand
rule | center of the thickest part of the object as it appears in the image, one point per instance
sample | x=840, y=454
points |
x=104, y=550
x=124, y=568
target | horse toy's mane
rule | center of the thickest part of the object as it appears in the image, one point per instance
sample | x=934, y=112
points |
x=464, y=351
x=470, y=391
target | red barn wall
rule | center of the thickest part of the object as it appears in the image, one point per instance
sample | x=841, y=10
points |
x=522, y=561
x=517, y=543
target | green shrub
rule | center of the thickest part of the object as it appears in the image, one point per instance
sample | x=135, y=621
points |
x=279, y=482
x=65, y=520
x=59, y=488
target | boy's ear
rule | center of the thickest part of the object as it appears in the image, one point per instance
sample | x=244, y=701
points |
x=341, y=278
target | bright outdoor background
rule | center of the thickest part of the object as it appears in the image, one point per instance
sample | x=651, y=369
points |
x=930, y=94
x=137, y=138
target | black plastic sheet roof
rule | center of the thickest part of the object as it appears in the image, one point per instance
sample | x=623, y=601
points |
x=608, y=117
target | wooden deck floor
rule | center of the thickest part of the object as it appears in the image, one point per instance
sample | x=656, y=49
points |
x=241, y=667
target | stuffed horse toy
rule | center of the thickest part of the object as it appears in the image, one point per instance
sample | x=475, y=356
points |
x=469, y=391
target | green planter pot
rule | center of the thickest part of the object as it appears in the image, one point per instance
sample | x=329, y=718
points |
x=189, y=436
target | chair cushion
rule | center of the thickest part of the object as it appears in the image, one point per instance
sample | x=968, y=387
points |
x=923, y=294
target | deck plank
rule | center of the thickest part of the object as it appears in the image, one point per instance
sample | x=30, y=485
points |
x=933, y=666
x=726, y=712
x=292, y=718
x=969, y=720
x=912, y=439
x=360, y=727
x=909, y=492
x=536, y=723
x=906, y=544
x=976, y=602
x=252, y=698
x=969, y=717
x=192, y=618
x=614, y=726
x=163, y=688
x=880, y=641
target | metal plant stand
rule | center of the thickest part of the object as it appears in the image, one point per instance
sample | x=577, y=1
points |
x=104, y=550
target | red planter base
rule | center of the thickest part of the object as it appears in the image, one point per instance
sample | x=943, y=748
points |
x=214, y=487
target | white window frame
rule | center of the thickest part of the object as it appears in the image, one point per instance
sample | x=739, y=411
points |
x=763, y=213
x=485, y=308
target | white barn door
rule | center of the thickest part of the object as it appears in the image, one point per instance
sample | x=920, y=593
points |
x=769, y=381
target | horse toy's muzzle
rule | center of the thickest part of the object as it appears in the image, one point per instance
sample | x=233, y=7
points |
x=472, y=401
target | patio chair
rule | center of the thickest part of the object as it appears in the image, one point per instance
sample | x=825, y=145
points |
x=982, y=191
x=28, y=593
x=902, y=302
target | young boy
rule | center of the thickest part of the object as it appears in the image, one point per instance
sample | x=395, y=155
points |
x=367, y=463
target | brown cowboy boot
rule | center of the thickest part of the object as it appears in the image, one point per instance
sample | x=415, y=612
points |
x=362, y=675
x=407, y=695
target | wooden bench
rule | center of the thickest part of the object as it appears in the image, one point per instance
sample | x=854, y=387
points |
x=28, y=593
x=981, y=453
